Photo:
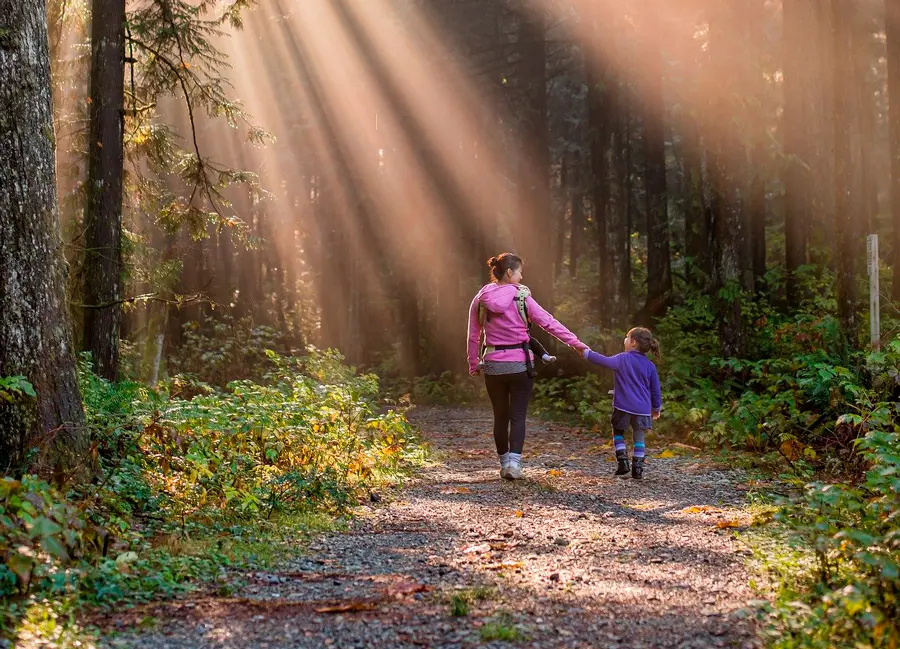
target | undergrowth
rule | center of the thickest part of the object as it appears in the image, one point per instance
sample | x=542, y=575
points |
x=191, y=481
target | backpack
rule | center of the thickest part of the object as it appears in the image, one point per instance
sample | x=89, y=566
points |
x=521, y=306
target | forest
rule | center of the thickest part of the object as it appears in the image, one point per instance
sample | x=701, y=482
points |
x=239, y=240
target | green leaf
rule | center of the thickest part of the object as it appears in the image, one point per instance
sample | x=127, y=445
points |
x=44, y=527
x=55, y=548
x=21, y=566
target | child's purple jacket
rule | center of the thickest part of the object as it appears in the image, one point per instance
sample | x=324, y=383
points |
x=636, y=381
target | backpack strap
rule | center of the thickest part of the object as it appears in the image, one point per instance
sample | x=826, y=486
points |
x=522, y=296
x=522, y=307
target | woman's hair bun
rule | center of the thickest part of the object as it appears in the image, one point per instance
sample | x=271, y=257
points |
x=493, y=261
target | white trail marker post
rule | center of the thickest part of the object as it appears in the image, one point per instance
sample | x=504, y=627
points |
x=874, y=295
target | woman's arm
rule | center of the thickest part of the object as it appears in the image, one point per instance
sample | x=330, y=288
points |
x=551, y=325
x=474, y=337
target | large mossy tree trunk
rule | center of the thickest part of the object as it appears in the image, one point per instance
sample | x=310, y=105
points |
x=35, y=334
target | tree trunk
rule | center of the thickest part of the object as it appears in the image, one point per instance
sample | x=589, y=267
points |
x=599, y=125
x=617, y=216
x=820, y=230
x=534, y=164
x=893, y=65
x=846, y=253
x=659, y=271
x=728, y=222
x=103, y=216
x=35, y=334
x=696, y=234
x=799, y=32
x=564, y=195
x=577, y=230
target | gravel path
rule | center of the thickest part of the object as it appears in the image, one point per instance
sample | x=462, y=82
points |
x=570, y=557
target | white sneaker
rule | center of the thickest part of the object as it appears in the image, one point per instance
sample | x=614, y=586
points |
x=547, y=358
x=514, y=472
x=504, y=472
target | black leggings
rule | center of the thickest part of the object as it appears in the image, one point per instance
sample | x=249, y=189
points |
x=510, y=394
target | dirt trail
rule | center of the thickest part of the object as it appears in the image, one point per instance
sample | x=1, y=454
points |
x=570, y=557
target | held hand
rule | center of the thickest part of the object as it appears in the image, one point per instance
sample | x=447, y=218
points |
x=656, y=414
x=475, y=372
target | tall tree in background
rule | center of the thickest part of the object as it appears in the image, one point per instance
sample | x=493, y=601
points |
x=35, y=337
x=598, y=96
x=659, y=271
x=755, y=116
x=536, y=225
x=846, y=227
x=800, y=28
x=729, y=244
x=103, y=214
x=892, y=16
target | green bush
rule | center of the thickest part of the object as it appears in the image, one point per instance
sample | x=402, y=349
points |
x=851, y=596
x=187, y=485
x=217, y=351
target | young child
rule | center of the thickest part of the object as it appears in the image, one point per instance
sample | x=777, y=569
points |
x=637, y=399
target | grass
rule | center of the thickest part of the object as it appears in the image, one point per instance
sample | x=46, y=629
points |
x=501, y=628
x=461, y=601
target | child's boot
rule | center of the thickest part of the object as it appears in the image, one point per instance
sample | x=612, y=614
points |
x=623, y=468
x=637, y=468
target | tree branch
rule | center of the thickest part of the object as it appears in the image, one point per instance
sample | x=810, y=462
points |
x=147, y=297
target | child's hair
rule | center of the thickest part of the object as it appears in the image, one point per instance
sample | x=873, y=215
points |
x=645, y=341
x=502, y=263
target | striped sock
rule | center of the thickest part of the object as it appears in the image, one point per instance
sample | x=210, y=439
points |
x=639, y=449
x=619, y=443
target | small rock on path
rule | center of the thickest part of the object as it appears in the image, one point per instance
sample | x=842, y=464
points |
x=569, y=558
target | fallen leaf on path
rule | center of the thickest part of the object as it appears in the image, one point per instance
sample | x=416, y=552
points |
x=349, y=607
x=456, y=490
x=700, y=509
x=554, y=473
x=520, y=514
x=725, y=524
x=407, y=588
x=477, y=549
x=667, y=454
x=505, y=565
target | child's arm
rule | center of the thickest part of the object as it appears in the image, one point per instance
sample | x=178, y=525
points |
x=611, y=362
x=655, y=393
x=474, y=337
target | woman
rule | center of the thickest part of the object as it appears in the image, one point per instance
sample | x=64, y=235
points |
x=499, y=310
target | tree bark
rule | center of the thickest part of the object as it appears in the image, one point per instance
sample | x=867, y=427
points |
x=534, y=164
x=846, y=244
x=35, y=334
x=103, y=215
x=892, y=8
x=696, y=230
x=659, y=271
x=728, y=222
x=798, y=66
x=564, y=195
x=577, y=230
x=599, y=125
